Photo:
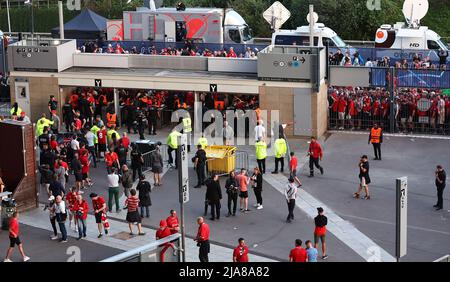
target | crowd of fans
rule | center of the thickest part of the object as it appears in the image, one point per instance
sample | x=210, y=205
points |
x=188, y=49
x=415, y=110
x=418, y=62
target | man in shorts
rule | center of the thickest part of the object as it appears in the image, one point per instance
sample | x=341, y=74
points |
x=99, y=205
x=320, y=231
x=14, y=239
x=102, y=141
x=293, y=163
x=243, y=181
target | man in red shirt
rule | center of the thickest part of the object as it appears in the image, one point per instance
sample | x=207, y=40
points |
x=293, y=163
x=14, y=238
x=342, y=106
x=202, y=240
x=99, y=207
x=112, y=160
x=240, y=253
x=102, y=141
x=298, y=254
x=125, y=140
x=172, y=222
x=315, y=153
x=163, y=230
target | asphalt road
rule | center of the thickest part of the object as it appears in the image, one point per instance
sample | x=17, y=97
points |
x=40, y=248
x=267, y=233
x=428, y=230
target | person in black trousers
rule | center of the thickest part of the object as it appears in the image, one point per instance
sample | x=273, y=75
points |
x=441, y=178
x=232, y=188
x=257, y=187
x=200, y=164
x=152, y=120
x=214, y=195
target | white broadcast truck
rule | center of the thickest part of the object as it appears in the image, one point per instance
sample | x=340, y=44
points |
x=410, y=35
x=203, y=25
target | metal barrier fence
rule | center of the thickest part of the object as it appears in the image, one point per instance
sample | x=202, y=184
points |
x=166, y=249
x=145, y=45
x=147, y=157
x=238, y=160
x=394, y=55
x=427, y=115
x=5, y=109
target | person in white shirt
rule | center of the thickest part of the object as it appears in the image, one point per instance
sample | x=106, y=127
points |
x=74, y=144
x=228, y=133
x=90, y=137
x=260, y=131
x=369, y=63
x=61, y=216
x=290, y=193
x=113, y=189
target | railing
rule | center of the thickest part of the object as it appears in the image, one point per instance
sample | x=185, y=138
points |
x=377, y=77
x=5, y=109
x=394, y=54
x=199, y=47
x=147, y=157
x=238, y=160
x=151, y=252
x=443, y=259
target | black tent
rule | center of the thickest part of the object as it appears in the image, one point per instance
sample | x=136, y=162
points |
x=87, y=25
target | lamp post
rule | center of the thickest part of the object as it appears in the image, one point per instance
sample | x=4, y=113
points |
x=2, y=38
x=9, y=19
x=30, y=2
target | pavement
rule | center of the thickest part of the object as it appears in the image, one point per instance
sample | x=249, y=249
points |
x=358, y=230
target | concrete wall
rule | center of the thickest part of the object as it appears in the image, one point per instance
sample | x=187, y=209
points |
x=284, y=98
x=278, y=98
x=40, y=90
x=319, y=111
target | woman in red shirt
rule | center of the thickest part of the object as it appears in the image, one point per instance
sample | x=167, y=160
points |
x=81, y=209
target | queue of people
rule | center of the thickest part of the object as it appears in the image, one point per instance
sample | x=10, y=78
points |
x=415, y=110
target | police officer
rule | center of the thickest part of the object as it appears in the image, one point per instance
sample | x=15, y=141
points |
x=152, y=119
x=142, y=123
x=280, y=152
x=131, y=118
x=261, y=154
x=376, y=138
x=200, y=164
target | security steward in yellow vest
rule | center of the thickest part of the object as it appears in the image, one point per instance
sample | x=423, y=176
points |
x=202, y=141
x=280, y=149
x=172, y=145
x=376, y=138
x=261, y=155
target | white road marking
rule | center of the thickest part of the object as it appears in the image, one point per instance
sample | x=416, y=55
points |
x=342, y=229
x=393, y=223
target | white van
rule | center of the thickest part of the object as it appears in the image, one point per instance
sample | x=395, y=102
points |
x=323, y=36
x=400, y=36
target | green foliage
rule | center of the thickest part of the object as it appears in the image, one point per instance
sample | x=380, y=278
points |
x=349, y=18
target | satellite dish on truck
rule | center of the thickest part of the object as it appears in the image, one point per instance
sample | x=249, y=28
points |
x=276, y=15
x=414, y=11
